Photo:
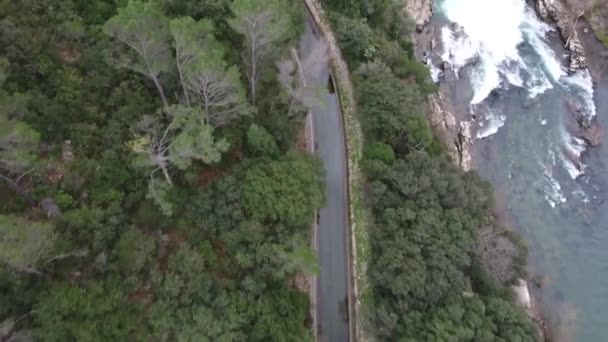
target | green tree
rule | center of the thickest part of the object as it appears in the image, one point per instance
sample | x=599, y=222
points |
x=388, y=105
x=354, y=37
x=133, y=251
x=99, y=311
x=263, y=25
x=23, y=243
x=142, y=32
x=286, y=190
x=186, y=137
x=189, y=39
x=18, y=141
x=380, y=151
x=261, y=142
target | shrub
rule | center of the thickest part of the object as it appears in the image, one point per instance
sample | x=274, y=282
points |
x=380, y=151
x=354, y=37
x=260, y=142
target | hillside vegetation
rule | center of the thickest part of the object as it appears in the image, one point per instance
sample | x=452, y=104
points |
x=149, y=182
x=426, y=281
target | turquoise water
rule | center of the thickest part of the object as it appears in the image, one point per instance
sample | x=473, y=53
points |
x=551, y=187
x=567, y=243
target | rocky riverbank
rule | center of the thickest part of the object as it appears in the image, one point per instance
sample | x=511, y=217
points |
x=568, y=17
x=554, y=11
x=454, y=125
x=419, y=10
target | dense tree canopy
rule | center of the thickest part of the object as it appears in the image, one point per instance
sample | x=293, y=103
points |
x=425, y=214
x=283, y=190
x=130, y=161
x=145, y=199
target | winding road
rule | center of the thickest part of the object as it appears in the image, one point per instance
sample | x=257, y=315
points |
x=332, y=290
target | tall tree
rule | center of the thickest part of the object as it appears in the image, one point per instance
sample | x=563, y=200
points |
x=204, y=75
x=18, y=141
x=189, y=40
x=23, y=242
x=143, y=31
x=263, y=24
x=216, y=86
x=175, y=137
x=287, y=190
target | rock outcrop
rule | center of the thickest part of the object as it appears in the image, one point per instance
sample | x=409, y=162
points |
x=420, y=10
x=589, y=128
x=554, y=11
x=455, y=135
x=522, y=296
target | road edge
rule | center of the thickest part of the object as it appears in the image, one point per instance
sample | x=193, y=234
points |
x=357, y=229
x=309, y=132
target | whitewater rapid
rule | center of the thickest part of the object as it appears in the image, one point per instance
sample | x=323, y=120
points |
x=489, y=38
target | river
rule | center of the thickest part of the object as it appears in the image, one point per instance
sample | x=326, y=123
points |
x=550, y=185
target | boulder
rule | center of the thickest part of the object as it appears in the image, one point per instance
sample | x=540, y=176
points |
x=51, y=208
x=593, y=134
x=421, y=11
x=554, y=11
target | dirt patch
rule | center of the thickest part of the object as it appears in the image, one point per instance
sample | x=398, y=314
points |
x=208, y=176
x=143, y=295
x=167, y=244
x=67, y=54
x=301, y=139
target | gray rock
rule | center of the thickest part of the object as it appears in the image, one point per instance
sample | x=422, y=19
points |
x=554, y=11
x=51, y=208
x=420, y=10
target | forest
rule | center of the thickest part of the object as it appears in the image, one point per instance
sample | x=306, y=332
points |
x=154, y=187
x=152, y=184
x=428, y=281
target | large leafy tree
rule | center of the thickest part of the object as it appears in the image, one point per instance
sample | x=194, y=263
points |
x=190, y=38
x=96, y=311
x=183, y=136
x=142, y=33
x=205, y=77
x=24, y=243
x=263, y=24
x=174, y=140
x=427, y=213
x=286, y=190
x=18, y=141
x=390, y=108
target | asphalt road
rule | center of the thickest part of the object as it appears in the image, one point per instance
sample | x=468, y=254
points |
x=332, y=238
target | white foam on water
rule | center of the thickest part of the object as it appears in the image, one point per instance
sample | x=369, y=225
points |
x=537, y=85
x=580, y=195
x=458, y=49
x=549, y=185
x=536, y=33
x=497, y=50
x=572, y=148
x=553, y=191
x=436, y=73
x=514, y=76
x=494, y=48
x=581, y=83
x=571, y=167
x=499, y=63
x=490, y=125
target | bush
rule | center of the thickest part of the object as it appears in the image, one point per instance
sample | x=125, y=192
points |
x=603, y=37
x=380, y=151
x=354, y=37
x=261, y=143
x=64, y=200
x=387, y=104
